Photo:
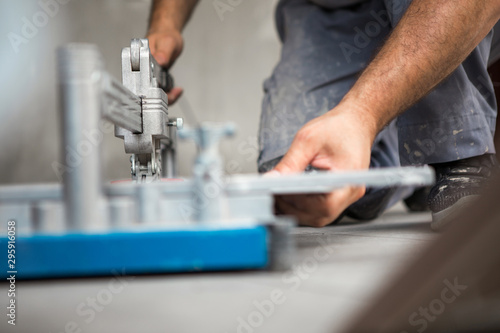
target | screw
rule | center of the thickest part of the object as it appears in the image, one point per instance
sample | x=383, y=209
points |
x=179, y=123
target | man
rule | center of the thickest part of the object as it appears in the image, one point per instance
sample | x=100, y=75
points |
x=371, y=83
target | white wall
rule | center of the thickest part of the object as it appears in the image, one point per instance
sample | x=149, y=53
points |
x=222, y=69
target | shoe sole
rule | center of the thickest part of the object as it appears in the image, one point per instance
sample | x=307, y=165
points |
x=441, y=219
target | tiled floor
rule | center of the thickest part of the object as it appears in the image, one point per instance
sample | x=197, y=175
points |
x=338, y=269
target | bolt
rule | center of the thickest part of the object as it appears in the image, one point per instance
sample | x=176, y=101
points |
x=179, y=123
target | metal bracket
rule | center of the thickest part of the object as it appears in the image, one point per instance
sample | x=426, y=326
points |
x=142, y=75
x=207, y=170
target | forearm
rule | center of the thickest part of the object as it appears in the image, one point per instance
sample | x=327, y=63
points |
x=170, y=14
x=432, y=39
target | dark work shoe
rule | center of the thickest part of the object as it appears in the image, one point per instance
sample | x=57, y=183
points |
x=458, y=184
x=417, y=202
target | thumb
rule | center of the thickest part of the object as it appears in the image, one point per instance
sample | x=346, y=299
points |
x=298, y=157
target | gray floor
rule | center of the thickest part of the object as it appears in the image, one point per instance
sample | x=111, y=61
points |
x=338, y=270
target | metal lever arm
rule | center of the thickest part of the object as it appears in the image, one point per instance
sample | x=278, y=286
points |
x=121, y=106
x=142, y=75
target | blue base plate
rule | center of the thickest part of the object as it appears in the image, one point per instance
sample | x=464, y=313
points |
x=172, y=251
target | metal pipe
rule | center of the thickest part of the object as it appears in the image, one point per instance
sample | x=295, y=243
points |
x=80, y=73
x=168, y=161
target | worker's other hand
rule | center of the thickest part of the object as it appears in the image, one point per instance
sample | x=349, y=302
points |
x=339, y=140
x=166, y=46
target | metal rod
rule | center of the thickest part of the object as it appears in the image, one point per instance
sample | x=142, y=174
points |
x=325, y=181
x=168, y=163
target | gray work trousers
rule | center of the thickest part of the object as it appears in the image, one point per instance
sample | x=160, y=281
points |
x=325, y=47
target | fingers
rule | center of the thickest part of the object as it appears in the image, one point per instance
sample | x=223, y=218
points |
x=164, y=50
x=303, y=217
x=319, y=205
x=321, y=209
x=174, y=94
x=302, y=151
x=333, y=141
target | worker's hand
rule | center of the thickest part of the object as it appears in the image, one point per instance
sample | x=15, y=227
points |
x=166, y=46
x=339, y=140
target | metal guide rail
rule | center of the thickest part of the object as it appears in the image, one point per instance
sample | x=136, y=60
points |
x=83, y=227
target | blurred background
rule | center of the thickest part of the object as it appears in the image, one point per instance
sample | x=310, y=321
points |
x=225, y=61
